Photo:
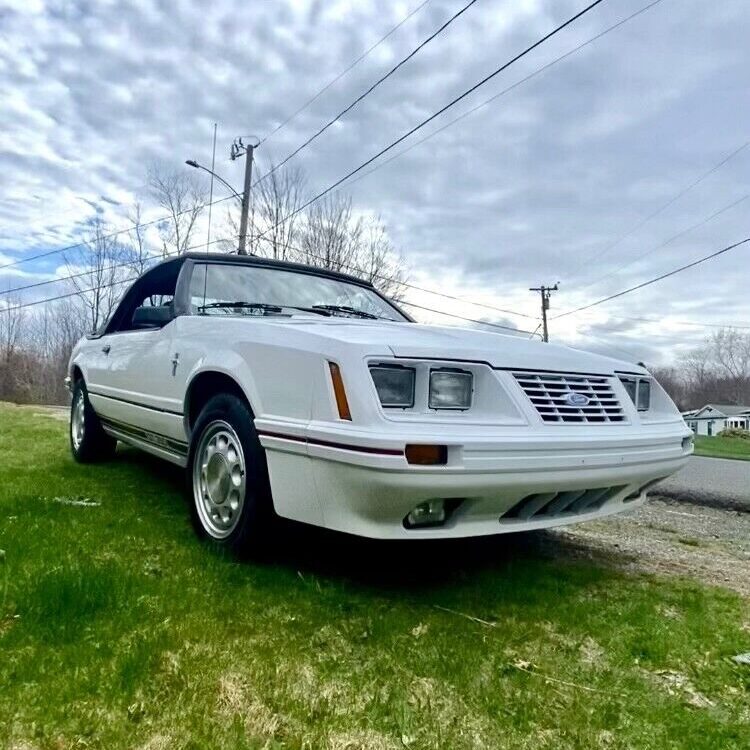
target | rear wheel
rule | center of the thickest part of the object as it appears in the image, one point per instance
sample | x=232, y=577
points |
x=231, y=498
x=88, y=441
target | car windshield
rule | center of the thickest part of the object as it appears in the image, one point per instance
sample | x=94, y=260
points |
x=238, y=289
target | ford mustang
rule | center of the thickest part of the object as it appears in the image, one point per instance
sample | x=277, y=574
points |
x=292, y=391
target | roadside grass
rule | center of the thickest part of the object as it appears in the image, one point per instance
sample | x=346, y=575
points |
x=119, y=630
x=722, y=447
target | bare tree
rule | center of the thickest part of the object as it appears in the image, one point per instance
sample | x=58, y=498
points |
x=139, y=255
x=329, y=234
x=334, y=238
x=731, y=352
x=39, y=362
x=697, y=367
x=273, y=221
x=12, y=317
x=378, y=262
x=11, y=323
x=331, y=237
x=183, y=198
x=673, y=382
x=95, y=272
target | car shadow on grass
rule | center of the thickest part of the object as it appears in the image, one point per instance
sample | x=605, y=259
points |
x=420, y=564
x=409, y=564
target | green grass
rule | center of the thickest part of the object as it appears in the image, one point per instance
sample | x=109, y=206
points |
x=119, y=630
x=721, y=447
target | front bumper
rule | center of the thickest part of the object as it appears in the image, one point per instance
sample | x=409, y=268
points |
x=362, y=483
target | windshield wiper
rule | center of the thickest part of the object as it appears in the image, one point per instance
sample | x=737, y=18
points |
x=345, y=309
x=262, y=306
x=265, y=307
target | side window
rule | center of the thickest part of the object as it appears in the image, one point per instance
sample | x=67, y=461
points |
x=198, y=288
x=156, y=293
x=156, y=300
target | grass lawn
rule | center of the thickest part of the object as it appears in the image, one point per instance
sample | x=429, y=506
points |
x=119, y=630
x=722, y=447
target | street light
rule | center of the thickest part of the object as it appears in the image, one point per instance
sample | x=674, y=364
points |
x=195, y=165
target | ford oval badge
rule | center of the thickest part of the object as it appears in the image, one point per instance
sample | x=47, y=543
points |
x=577, y=399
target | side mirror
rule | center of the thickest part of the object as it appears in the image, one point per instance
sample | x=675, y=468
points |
x=150, y=316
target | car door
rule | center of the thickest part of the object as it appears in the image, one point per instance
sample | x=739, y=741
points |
x=140, y=381
x=131, y=378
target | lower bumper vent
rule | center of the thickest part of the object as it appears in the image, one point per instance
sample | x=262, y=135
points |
x=556, y=504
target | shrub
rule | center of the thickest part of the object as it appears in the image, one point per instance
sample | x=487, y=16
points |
x=734, y=432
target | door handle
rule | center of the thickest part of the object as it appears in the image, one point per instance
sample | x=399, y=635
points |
x=106, y=348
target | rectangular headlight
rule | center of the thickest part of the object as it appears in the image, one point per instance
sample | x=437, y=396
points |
x=450, y=389
x=639, y=390
x=395, y=385
x=631, y=387
x=644, y=395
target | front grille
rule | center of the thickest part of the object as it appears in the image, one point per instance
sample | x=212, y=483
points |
x=556, y=504
x=548, y=392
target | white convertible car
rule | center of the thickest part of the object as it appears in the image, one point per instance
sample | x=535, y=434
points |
x=294, y=391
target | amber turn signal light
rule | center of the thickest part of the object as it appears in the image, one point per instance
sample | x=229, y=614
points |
x=342, y=404
x=427, y=455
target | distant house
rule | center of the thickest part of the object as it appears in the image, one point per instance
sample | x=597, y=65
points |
x=713, y=418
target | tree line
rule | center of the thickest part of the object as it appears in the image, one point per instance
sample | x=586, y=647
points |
x=716, y=372
x=36, y=341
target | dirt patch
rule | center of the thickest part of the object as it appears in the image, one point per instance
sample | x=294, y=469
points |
x=709, y=544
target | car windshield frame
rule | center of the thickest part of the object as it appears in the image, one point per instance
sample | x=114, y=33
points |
x=315, y=288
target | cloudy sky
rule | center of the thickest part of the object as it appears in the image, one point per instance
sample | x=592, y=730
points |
x=551, y=181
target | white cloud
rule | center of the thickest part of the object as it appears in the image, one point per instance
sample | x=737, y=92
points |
x=512, y=196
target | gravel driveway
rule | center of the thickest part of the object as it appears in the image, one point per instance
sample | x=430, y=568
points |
x=721, y=482
x=664, y=537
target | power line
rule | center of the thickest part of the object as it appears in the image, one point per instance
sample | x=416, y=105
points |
x=662, y=321
x=158, y=256
x=413, y=130
x=654, y=280
x=294, y=153
x=436, y=114
x=134, y=278
x=393, y=144
x=665, y=243
x=366, y=93
x=77, y=293
x=135, y=261
x=344, y=72
x=166, y=218
x=116, y=233
x=470, y=320
x=510, y=88
x=663, y=207
x=464, y=301
x=349, y=266
x=212, y=203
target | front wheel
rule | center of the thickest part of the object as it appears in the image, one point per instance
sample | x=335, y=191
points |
x=231, y=498
x=88, y=441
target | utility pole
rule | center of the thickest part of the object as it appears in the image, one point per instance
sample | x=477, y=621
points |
x=545, y=292
x=238, y=148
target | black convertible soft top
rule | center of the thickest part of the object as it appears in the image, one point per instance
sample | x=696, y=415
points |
x=167, y=278
x=255, y=260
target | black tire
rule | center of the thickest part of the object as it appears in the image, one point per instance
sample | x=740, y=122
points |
x=252, y=522
x=92, y=444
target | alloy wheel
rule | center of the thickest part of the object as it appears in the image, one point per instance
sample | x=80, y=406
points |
x=219, y=474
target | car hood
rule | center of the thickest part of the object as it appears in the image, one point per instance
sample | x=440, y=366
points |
x=418, y=341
